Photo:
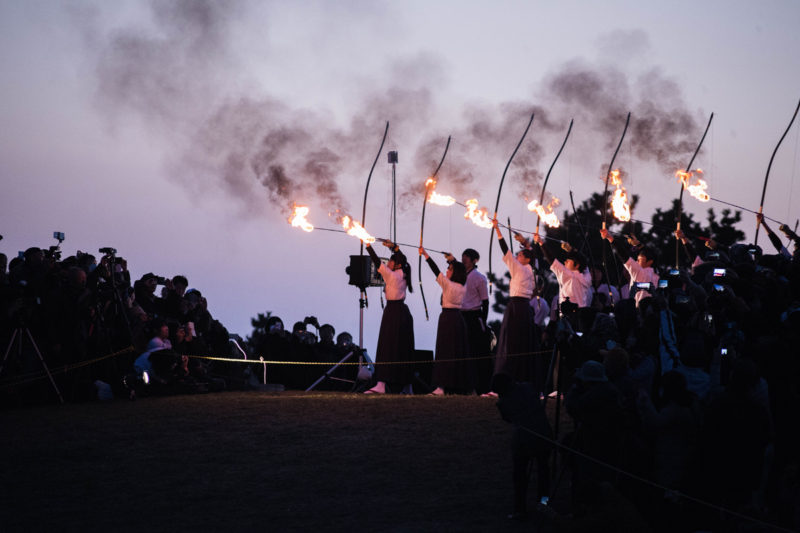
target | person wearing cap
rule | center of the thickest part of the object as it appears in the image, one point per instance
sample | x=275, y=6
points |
x=396, y=335
x=145, y=291
x=515, y=345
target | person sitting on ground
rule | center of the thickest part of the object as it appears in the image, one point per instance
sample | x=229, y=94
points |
x=158, y=361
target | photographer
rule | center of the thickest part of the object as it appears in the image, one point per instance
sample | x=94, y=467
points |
x=302, y=348
x=145, y=291
x=172, y=295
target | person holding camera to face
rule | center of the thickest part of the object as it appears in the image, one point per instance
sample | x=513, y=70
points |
x=641, y=270
x=396, y=336
x=145, y=291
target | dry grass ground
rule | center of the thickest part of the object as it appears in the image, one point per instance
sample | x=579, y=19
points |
x=255, y=461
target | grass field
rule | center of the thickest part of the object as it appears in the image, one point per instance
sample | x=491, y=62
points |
x=257, y=461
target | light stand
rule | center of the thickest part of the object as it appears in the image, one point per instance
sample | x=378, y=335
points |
x=331, y=370
x=393, y=160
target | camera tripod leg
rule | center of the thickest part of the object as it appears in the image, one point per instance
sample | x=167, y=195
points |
x=44, y=365
x=330, y=371
x=8, y=350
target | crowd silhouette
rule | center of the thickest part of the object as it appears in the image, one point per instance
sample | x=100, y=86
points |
x=688, y=380
x=96, y=333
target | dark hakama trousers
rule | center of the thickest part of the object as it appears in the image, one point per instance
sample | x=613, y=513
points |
x=452, y=368
x=395, y=344
x=478, y=348
x=516, y=343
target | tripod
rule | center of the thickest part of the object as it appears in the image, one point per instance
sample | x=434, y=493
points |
x=362, y=303
x=331, y=370
x=18, y=335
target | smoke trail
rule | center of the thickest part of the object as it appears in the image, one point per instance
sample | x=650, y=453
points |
x=264, y=153
x=662, y=129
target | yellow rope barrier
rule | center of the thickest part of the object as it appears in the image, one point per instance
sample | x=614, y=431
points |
x=313, y=363
x=29, y=377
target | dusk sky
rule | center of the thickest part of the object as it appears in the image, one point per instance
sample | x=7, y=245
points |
x=180, y=132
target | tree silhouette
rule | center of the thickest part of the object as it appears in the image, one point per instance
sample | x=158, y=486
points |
x=580, y=227
x=257, y=339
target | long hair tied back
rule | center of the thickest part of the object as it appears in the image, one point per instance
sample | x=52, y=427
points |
x=399, y=258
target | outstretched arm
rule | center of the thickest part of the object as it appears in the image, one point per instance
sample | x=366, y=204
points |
x=774, y=239
x=548, y=254
x=431, y=263
x=500, y=240
x=687, y=245
x=618, y=245
x=375, y=259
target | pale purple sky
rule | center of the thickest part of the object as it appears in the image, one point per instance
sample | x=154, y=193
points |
x=156, y=128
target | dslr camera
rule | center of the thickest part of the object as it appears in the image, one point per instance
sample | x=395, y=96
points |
x=108, y=251
x=54, y=252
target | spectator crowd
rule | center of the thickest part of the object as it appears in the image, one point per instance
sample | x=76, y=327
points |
x=688, y=379
x=149, y=334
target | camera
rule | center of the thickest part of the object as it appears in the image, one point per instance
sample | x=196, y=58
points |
x=644, y=285
x=568, y=307
x=719, y=288
x=663, y=283
x=54, y=252
x=161, y=280
x=719, y=272
x=108, y=251
x=674, y=272
x=59, y=236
